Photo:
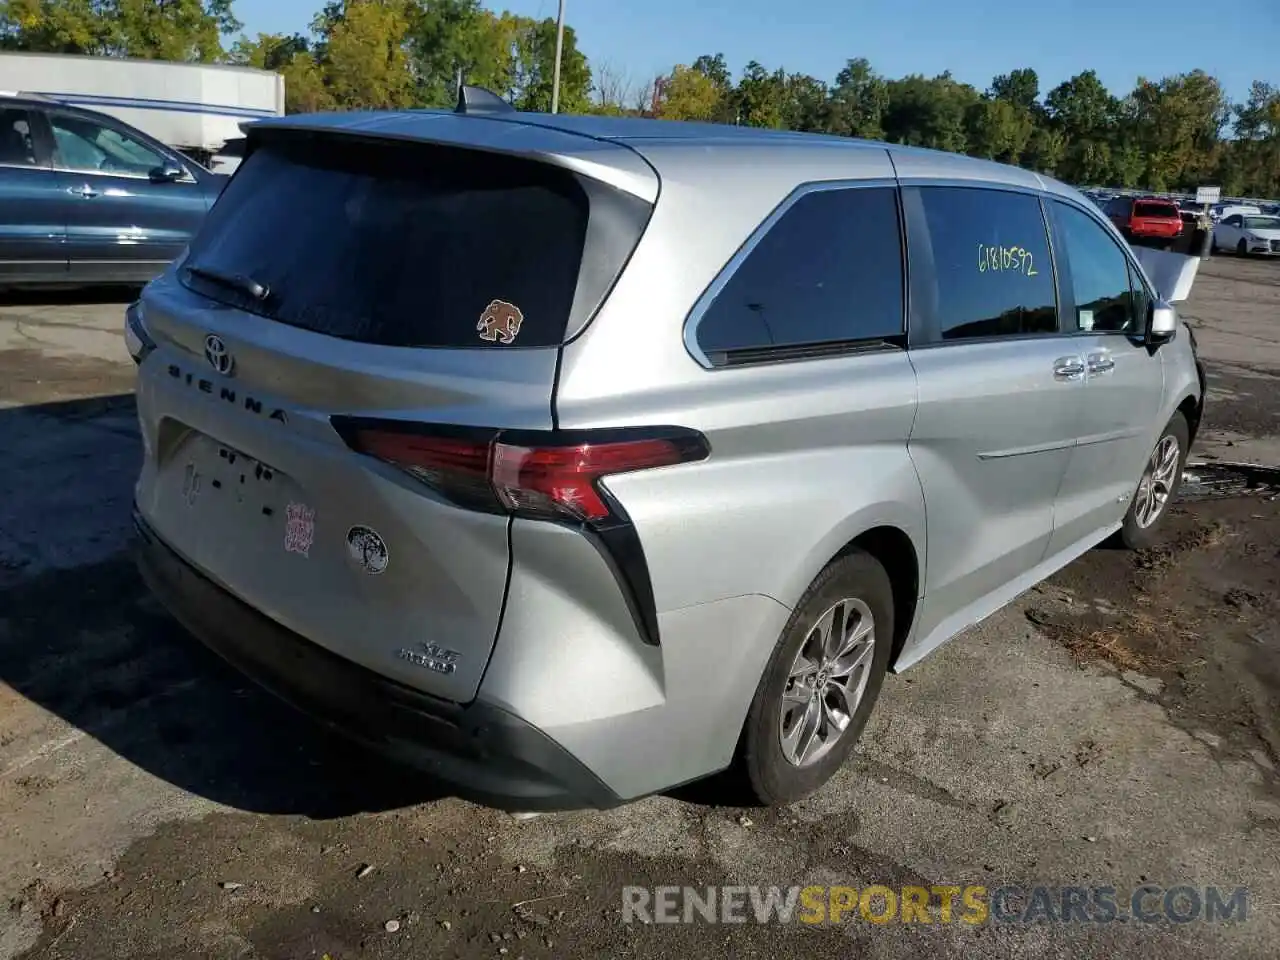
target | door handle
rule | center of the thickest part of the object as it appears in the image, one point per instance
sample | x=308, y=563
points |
x=1100, y=363
x=85, y=191
x=1068, y=368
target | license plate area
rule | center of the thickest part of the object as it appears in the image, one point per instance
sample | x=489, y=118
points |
x=215, y=476
x=211, y=487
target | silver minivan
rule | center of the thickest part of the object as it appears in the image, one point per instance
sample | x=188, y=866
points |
x=574, y=458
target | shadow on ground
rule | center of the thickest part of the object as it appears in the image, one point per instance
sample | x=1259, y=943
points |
x=81, y=637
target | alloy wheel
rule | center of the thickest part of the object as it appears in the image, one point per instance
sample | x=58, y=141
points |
x=826, y=681
x=1157, y=482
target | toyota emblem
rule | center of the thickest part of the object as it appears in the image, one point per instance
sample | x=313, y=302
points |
x=219, y=357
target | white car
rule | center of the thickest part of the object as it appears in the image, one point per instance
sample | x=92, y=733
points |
x=1221, y=211
x=1246, y=233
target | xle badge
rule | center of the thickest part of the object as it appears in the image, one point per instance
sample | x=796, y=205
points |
x=432, y=657
x=500, y=322
x=367, y=549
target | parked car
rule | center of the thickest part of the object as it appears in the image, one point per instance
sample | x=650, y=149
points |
x=1247, y=234
x=1149, y=221
x=85, y=198
x=571, y=458
x=1223, y=210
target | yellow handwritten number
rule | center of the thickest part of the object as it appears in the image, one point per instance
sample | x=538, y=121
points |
x=1002, y=259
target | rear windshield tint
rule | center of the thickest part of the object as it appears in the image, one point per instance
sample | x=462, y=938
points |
x=398, y=244
x=1155, y=210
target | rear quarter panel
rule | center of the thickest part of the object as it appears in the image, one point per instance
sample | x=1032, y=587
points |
x=805, y=455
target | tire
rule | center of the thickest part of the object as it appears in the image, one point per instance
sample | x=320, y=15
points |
x=857, y=586
x=1141, y=527
x=1242, y=249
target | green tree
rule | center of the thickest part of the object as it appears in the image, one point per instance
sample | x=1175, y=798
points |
x=53, y=26
x=364, y=58
x=269, y=51
x=1019, y=87
x=761, y=99
x=716, y=69
x=534, y=47
x=1178, y=121
x=1253, y=160
x=1085, y=114
x=687, y=94
x=926, y=112
x=1044, y=151
x=180, y=30
x=170, y=29
x=290, y=56
x=857, y=102
x=998, y=129
x=448, y=36
x=804, y=103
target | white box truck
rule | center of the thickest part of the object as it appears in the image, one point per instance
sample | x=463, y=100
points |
x=192, y=107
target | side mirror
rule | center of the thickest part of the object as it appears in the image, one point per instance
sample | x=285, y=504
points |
x=167, y=173
x=1162, y=324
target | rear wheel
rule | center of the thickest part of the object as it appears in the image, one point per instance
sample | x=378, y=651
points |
x=1157, y=487
x=821, y=682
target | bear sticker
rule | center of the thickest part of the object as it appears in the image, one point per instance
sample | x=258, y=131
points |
x=500, y=322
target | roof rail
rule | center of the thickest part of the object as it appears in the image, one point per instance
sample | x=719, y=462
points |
x=479, y=100
x=29, y=96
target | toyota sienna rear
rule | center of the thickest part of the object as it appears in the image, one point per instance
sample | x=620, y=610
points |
x=570, y=459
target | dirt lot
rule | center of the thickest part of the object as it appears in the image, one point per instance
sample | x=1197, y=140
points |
x=1119, y=725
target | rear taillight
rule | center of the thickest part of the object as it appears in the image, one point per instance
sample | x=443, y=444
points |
x=552, y=475
x=136, y=338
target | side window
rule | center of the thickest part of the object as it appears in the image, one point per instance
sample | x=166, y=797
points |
x=1235, y=221
x=1099, y=273
x=17, y=146
x=828, y=271
x=991, y=263
x=86, y=145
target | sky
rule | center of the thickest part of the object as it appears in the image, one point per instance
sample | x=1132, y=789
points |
x=1238, y=41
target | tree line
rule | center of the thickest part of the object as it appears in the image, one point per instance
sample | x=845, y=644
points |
x=1172, y=133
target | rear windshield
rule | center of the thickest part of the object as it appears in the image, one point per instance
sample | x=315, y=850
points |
x=1155, y=210
x=397, y=244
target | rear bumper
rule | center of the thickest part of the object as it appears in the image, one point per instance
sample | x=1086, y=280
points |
x=486, y=754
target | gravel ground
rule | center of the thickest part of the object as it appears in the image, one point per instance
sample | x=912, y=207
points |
x=1116, y=726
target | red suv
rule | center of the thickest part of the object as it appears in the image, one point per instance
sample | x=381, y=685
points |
x=1148, y=221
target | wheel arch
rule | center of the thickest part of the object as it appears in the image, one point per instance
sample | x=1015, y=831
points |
x=1192, y=409
x=896, y=552
x=897, y=543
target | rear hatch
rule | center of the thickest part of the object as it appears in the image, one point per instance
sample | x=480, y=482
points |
x=1155, y=219
x=348, y=294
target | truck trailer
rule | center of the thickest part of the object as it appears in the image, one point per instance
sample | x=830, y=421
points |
x=192, y=107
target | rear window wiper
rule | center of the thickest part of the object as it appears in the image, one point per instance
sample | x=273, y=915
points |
x=232, y=281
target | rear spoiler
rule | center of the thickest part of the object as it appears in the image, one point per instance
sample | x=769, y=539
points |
x=481, y=121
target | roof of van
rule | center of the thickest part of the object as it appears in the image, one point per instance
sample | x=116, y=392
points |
x=594, y=137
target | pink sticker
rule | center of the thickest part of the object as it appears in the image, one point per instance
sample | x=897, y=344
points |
x=299, y=529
